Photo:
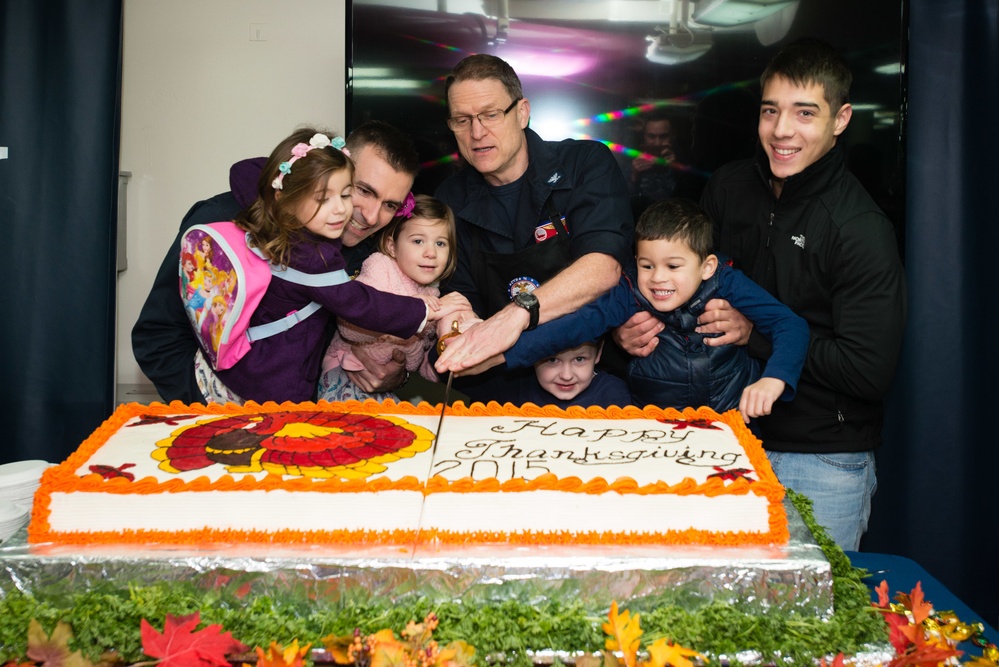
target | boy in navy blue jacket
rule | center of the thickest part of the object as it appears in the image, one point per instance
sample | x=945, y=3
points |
x=674, y=276
x=571, y=378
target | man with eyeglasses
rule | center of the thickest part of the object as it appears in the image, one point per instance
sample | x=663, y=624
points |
x=543, y=227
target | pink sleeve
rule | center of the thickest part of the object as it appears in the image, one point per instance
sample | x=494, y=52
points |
x=338, y=355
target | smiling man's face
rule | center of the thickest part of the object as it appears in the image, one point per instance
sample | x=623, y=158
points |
x=379, y=191
x=797, y=126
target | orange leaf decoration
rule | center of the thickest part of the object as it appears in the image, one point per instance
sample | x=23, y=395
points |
x=883, y=597
x=338, y=647
x=624, y=633
x=456, y=654
x=282, y=657
x=662, y=653
x=926, y=656
x=921, y=609
x=179, y=645
x=390, y=653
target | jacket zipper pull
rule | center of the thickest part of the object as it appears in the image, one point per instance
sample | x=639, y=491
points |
x=839, y=417
x=770, y=229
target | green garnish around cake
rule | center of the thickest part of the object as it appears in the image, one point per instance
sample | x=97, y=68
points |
x=107, y=616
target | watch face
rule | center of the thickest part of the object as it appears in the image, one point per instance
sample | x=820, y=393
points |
x=526, y=299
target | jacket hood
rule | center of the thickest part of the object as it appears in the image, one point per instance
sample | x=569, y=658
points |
x=243, y=180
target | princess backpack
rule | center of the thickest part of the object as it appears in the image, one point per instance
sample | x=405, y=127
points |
x=223, y=279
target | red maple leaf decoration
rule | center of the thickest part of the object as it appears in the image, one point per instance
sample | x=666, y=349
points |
x=733, y=474
x=158, y=419
x=897, y=634
x=179, y=645
x=925, y=656
x=680, y=424
x=109, y=472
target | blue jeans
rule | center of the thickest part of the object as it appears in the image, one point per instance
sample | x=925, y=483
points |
x=840, y=487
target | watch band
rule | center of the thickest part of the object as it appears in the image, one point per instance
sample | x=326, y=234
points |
x=529, y=302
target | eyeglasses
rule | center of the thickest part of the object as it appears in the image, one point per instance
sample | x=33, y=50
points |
x=490, y=118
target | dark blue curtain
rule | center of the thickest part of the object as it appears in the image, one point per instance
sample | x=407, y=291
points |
x=60, y=63
x=938, y=499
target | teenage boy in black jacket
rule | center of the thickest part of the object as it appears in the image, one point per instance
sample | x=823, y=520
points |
x=800, y=225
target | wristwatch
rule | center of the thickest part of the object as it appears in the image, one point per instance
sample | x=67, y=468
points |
x=529, y=302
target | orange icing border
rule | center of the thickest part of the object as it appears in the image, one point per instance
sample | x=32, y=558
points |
x=62, y=479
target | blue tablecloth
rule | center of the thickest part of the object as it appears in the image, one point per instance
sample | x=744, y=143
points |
x=902, y=574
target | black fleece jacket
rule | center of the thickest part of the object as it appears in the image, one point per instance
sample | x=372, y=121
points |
x=826, y=250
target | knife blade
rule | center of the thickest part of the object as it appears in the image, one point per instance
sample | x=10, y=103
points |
x=455, y=331
x=440, y=421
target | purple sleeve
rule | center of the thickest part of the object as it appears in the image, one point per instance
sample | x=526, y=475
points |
x=373, y=309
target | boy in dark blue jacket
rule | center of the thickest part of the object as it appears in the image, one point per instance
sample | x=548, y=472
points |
x=571, y=378
x=674, y=276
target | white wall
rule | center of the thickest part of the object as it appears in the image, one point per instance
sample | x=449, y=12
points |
x=199, y=95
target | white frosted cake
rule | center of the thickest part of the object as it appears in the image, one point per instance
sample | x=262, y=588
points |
x=360, y=473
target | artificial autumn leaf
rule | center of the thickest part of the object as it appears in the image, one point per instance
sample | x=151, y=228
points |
x=978, y=661
x=456, y=654
x=883, y=597
x=662, y=653
x=925, y=656
x=897, y=634
x=53, y=650
x=412, y=629
x=920, y=608
x=391, y=653
x=275, y=656
x=838, y=661
x=337, y=646
x=625, y=634
x=384, y=635
x=179, y=645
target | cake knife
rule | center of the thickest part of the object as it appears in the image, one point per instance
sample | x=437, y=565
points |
x=455, y=330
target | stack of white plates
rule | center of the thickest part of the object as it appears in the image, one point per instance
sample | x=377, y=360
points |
x=18, y=483
x=12, y=517
x=20, y=480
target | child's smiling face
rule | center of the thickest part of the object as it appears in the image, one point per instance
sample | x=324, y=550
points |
x=326, y=213
x=422, y=249
x=566, y=375
x=669, y=272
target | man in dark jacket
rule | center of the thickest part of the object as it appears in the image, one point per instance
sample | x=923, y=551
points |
x=802, y=226
x=162, y=340
x=543, y=227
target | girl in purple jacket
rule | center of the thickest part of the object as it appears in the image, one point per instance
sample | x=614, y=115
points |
x=302, y=208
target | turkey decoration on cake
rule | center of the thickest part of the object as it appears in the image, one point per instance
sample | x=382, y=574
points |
x=299, y=443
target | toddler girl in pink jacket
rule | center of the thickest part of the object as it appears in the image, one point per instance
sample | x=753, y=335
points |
x=415, y=252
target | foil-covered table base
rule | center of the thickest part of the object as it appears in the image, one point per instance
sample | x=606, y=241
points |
x=792, y=578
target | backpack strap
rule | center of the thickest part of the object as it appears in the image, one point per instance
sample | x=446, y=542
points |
x=262, y=331
x=299, y=277
x=310, y=279
x=329, y=279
